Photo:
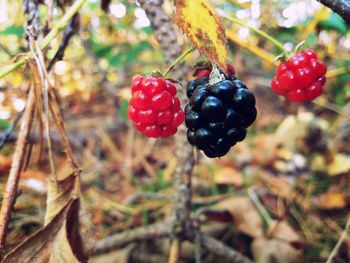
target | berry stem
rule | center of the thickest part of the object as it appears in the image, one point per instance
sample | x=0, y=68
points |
x=258, y=32
x=62, y=23
x=262, y=210
x=178, y=60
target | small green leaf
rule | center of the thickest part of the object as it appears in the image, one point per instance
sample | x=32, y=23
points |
x=335, y=22
x=4, y=124
x=124, y=106
x=13, y=30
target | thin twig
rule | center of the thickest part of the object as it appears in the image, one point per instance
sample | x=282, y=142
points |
x=69, y=32
x=216, y=247
x=47, y=40
x=152, y=232
x=340, y=242
x=17, y=163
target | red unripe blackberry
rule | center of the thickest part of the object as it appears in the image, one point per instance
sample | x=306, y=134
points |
x=154, y=107
x=300, y=78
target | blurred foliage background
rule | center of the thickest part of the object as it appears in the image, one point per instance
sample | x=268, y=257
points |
x=296, y=159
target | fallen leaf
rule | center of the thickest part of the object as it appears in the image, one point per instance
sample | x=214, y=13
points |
x=277, y=185
x=68, y=235
x=273, y=250
x=331, y=201
x=281, y=230
x=339, y=165
x=228, y=175
x=49, y=244
x=246, y=217
x=200, y=22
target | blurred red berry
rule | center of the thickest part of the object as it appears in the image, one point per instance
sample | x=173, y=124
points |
x=300, y=78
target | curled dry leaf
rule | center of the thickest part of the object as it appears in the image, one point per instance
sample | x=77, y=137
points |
x=200, y=22
x=246, y=217
x=68, y=235
x=49, y=244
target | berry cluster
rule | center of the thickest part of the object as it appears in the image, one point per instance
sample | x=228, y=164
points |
x=154, y=107
x=218, y=115
x=300, y=78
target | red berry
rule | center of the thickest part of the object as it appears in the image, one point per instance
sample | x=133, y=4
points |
x=132, y=113
x=168, y=131
x=165, y=117
x=147, y=116
x=170, y=87
x=179, y=118
x=297, y=95
x=276, y=87
x=161, y=101
x=231, y=69
x=153, y=131
x=202, y=73
x=153, y=86
x=301, y=77
x=310, y=53
x=287, y=80
x=282, y=68
x=136, y=83
x=140, y=100
x=175, y=104
x=314, y=91
x=140, y=126
x=154, y=108
x=304, y=77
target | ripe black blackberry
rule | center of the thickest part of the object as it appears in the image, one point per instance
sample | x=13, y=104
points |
x=218, y=115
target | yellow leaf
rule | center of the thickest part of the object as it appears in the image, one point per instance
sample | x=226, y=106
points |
x=200, y=22
x=340, y=165
x=332, y=201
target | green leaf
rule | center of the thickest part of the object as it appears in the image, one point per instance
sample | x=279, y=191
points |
x=4, y=124
x=335, y=22
x=124, y=106
x=128, y=53
x=13, y=30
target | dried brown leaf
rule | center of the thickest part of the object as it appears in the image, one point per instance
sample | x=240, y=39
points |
x=246, y=216
x=273, y=250
x=49, y=244
x=283, y=231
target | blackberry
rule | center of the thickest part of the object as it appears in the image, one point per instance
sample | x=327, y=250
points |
x=218, y=115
